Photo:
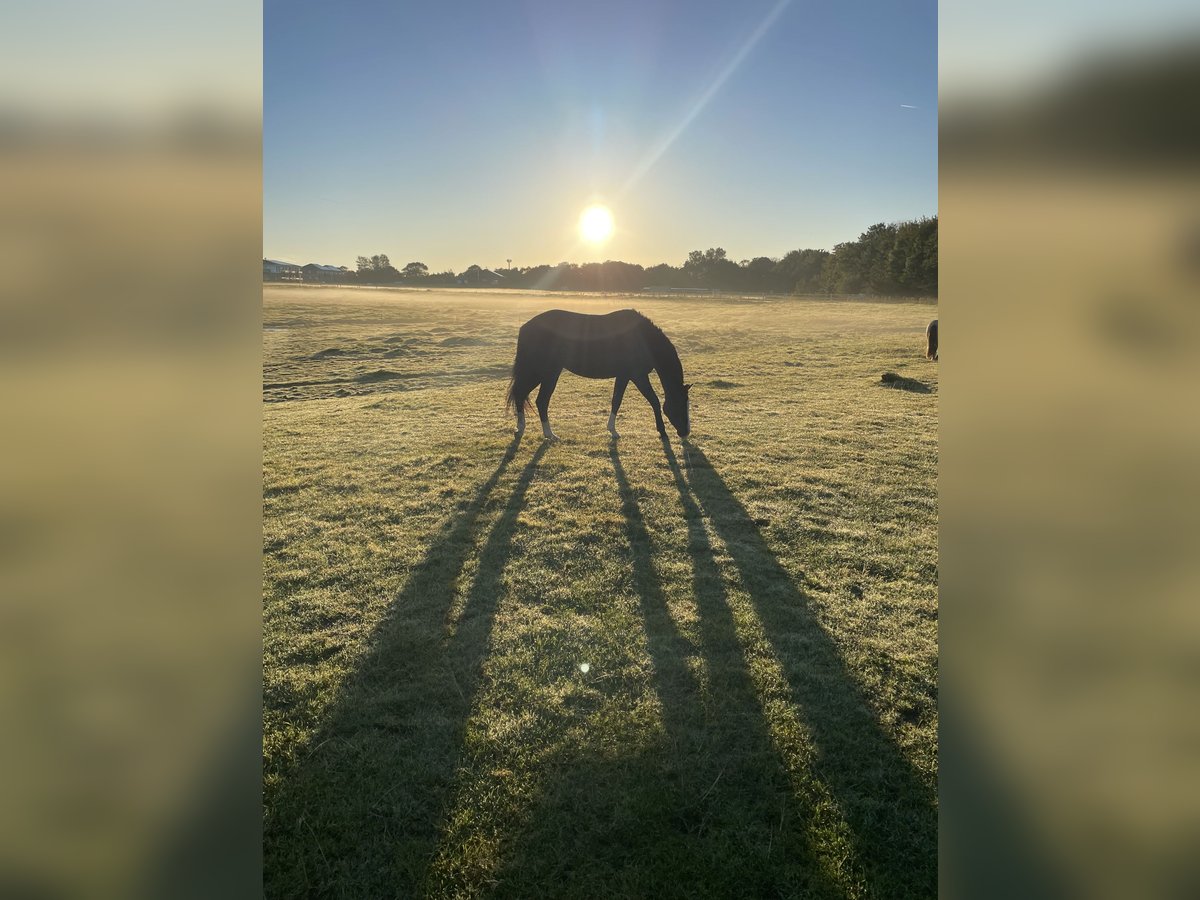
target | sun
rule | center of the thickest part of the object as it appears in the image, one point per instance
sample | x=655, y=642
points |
x=596, y=224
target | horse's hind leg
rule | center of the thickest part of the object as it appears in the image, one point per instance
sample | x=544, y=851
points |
x=618, y=394
x=543, y=402
x=520, y=396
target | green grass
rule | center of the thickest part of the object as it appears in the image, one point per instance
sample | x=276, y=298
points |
x=757, y=610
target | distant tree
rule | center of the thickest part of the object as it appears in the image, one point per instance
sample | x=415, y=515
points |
x=875, y=247
x=711, y=268
x=665, y=275
x=919, y=273
x=376, y=269
x=415, y=270
x=700, y=261
x=758, y=274
x=843, y=271
x=800, y=270
x=622, y=276
x=536, y=276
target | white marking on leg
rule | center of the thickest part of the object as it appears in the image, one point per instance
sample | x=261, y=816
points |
x=612, y=424
x=520, y=421
x=546, y=432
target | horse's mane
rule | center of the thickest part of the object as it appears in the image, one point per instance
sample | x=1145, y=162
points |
x=664, y=351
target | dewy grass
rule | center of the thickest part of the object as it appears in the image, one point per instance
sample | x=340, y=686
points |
x=587, y=668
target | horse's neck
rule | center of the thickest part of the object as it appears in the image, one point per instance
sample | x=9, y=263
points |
x=666, y=362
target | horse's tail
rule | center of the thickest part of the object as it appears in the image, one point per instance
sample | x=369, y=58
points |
x=519, y=370
x=931, y=340
x=511, y=401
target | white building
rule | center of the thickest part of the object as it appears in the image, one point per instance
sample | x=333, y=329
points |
x=274, y=270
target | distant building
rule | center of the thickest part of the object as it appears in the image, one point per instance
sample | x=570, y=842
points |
x=274, y=270
x=321, y=274
x=475, y=276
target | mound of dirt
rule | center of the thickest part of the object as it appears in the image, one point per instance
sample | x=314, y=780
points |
x=892, y=380
x=464, y=342
x=380, y=375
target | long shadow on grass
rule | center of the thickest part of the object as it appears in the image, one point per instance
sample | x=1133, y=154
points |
x=360, y=814
x=889, y=808
x=704, y=812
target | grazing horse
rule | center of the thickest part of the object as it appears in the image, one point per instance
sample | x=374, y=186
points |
x=624, y=345
x=931, y=341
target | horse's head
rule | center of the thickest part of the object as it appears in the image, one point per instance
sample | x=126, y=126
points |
x=678, y=408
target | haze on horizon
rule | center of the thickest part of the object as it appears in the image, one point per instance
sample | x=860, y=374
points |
x=460, y=136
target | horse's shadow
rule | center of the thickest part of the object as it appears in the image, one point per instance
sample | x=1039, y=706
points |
x=889, y=808
x=363, y=805
x=684, y=816
x=705, y=810
x=688, y=816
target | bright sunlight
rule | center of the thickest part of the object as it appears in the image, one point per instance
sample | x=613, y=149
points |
x=596, y=224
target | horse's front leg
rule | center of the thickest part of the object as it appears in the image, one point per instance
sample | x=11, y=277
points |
x=643, y=385
x=543, y=403
x=618, y=394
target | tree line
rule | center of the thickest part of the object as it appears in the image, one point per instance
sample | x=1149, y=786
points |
x=897, y=259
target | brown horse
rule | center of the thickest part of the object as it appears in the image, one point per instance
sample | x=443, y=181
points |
x=624, y=345
x=931, y=343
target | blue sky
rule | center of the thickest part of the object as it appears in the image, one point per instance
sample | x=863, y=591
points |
x=459, y=132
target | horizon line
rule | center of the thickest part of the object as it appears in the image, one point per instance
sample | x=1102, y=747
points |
x=933, y=215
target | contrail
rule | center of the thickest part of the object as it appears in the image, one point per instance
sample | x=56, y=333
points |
x=908, y=106
x=664, y=143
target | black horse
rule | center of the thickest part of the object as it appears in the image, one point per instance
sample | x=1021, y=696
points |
x=624, y=345
x=931, y=343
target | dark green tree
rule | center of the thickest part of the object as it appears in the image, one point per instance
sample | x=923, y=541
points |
x=800, y=270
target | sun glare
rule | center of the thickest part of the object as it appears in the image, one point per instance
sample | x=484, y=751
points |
x=596, y=224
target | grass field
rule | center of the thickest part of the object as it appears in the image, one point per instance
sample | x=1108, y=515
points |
x=590, y=668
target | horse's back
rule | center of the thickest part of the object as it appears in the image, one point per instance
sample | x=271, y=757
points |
x=568, y=324
x=594, y=346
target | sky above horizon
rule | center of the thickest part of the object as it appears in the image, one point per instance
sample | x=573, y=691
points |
x=471, y=133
